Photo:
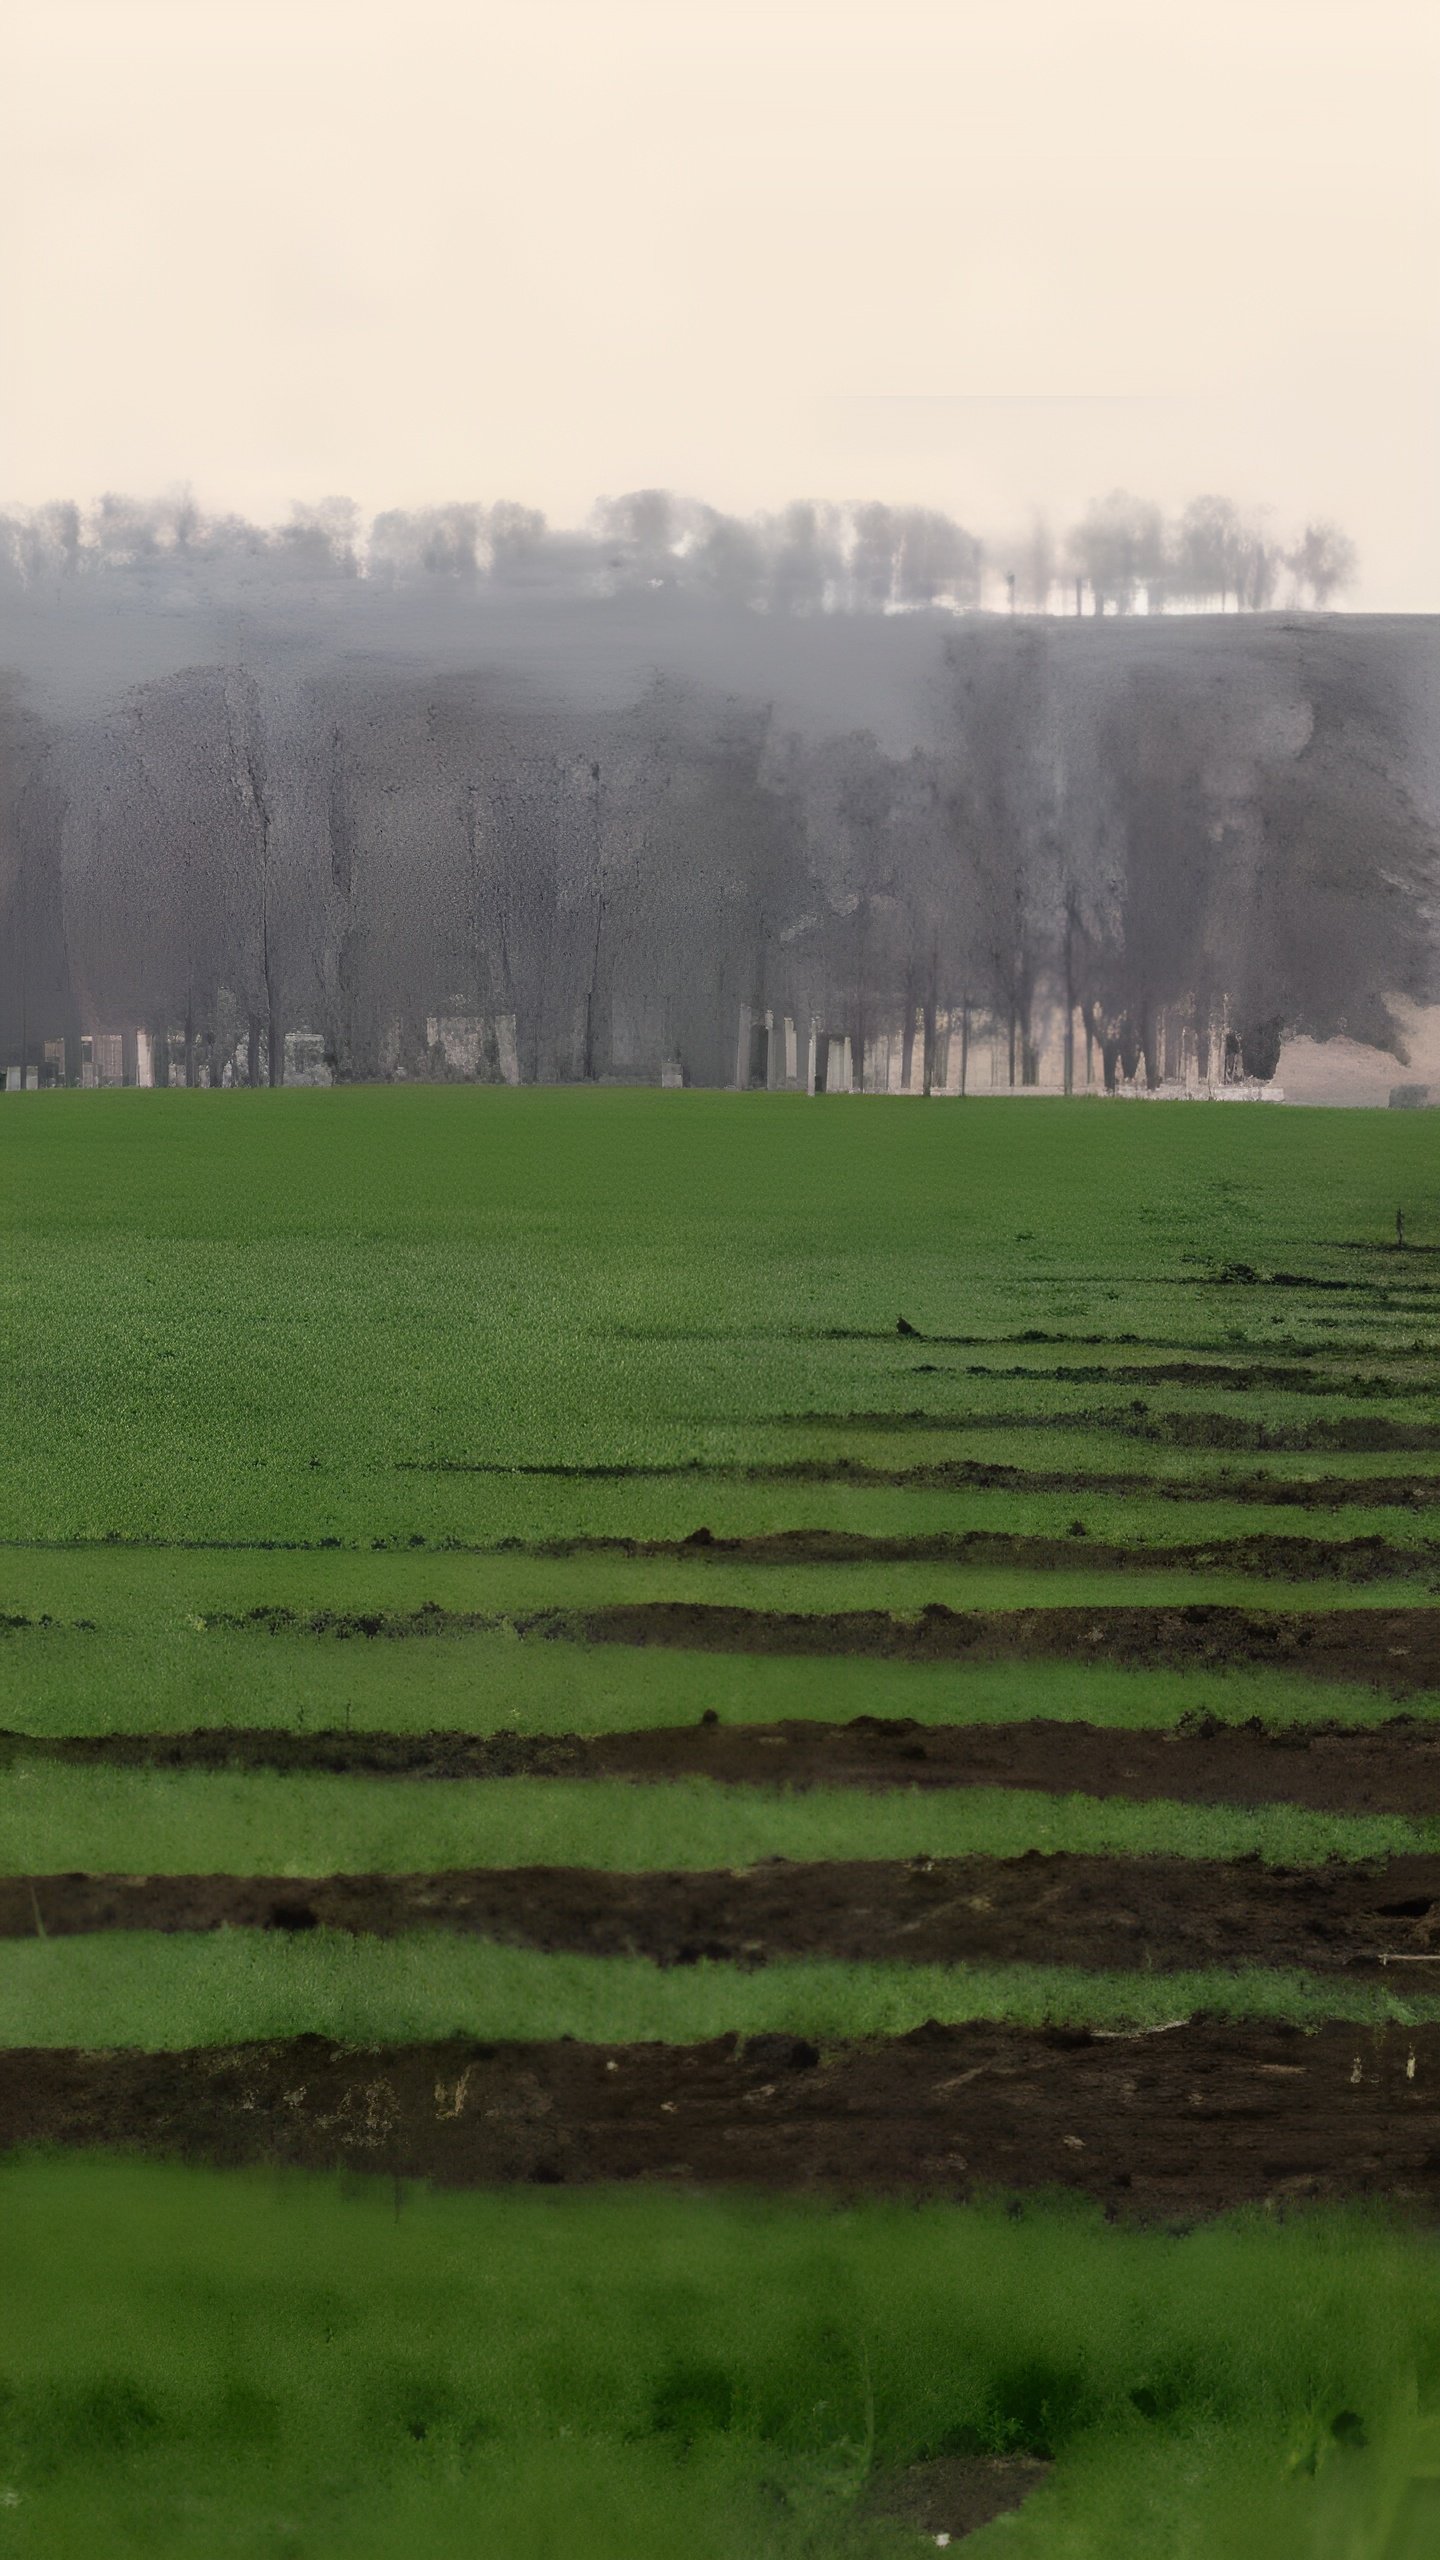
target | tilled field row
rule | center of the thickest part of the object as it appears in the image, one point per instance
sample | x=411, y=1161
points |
x=972, y=1475
x=1176, y=1427
x=1173, y=1427
x=1394, y=1649
x=1289, y=1559
x=1096, y=1912
x=1391, y=1768
x=1195, y=2119
x=1266, y=1554
x=1220, y=1375
x=1380, y=1343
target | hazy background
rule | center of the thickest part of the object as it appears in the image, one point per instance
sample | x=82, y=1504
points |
x=978, y=253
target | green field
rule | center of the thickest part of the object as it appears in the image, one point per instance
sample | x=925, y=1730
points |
x=382, y=1350
x=241, y=1985
x=283, y=2368
x=117, y=1821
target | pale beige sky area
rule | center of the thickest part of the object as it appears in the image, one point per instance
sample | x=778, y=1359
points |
x=979, y=253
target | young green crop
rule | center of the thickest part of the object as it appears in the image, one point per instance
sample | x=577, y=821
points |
x=58, y=1680
x=56, y=1820
x=239, y=1986
x=240, y=1313
x=285, y=2365
x=278, y=1320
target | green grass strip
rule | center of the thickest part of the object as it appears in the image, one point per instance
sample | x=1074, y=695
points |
x=288, y=2365
x=55, y=1820
x=55, y=1680
x=142, y=1590
x=141, y=1989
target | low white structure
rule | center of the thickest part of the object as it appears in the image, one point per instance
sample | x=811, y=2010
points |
x=1239, y=1089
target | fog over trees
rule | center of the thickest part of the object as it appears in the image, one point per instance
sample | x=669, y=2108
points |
x=457, y=795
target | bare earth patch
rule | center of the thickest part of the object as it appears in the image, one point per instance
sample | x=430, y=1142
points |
x=1166, y=2125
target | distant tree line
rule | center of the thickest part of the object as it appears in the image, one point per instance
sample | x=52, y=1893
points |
x=863, y=558
x=233, y=809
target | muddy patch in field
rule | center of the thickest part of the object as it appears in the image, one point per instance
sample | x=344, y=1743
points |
x=1168, y=2125
x=1393, y=1768
x=957, y=2493
x=1108, y=1914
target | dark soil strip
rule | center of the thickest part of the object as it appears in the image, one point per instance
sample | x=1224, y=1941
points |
x=1267, y=1556
x=1229, y=1349
x=1110, y=1914
x=1392, y=1649
x=981, y=1475
x=966, y=1475
x=1243, y=1275
x=1357, y=1433
x=1166, y=2126
x=1393, y=1768
x=1228, y=1376
x=1286, y=1559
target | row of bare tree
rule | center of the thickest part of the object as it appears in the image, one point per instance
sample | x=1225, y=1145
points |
x=1116, y=827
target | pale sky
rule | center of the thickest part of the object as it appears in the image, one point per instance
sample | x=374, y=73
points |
x=983, y=254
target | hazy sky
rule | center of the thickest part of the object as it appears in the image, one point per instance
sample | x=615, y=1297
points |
x=982, y=253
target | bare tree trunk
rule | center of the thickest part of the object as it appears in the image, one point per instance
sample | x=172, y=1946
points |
x=250, y=782
x=342, y=882
x=928, y=1022
x=1029, y=1055
x=275, y=1049
x=964, y=1047
x=1069, y=1064
x=592, y=992
x=1147, y=1045
x=252, y=1051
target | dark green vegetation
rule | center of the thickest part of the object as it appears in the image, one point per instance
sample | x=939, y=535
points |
x=282, y=2368
x=367, y=1413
